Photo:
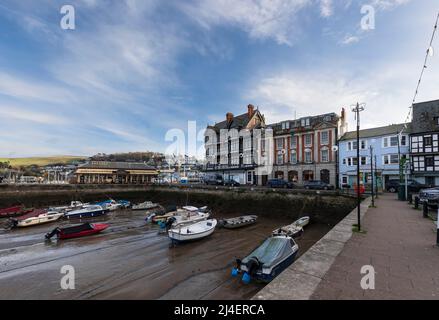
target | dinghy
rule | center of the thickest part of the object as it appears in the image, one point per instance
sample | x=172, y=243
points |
x=110, y=205
x=87, y=212
x=76, y=231
x=238, y=222
x=147, y=205
x=36, y=218
x=266, y=262
x=302, y=222
x=193, y=232
x=187, y=215
x=293, y=230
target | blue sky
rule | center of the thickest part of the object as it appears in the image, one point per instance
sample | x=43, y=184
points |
x=132, y=70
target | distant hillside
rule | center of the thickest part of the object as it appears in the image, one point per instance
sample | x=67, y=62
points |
x=41, y=161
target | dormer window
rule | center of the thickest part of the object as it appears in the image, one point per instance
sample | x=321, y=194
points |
x=285, y=125
x=305, y=122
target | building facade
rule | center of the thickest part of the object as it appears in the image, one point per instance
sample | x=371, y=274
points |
x=106, y=172
x=230, y=147
x=424, y=142
x=306, y=149
x=387, y=150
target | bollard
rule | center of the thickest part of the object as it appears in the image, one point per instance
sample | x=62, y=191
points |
x=416, y=202
x=425, y=210
x=437, y=228
x=410, y=198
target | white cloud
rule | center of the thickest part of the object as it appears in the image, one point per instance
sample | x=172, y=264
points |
x=326, y=9
x=387, y=4
x=262, y=19
x=25, y=114
x=31, y=89
x=350, y=40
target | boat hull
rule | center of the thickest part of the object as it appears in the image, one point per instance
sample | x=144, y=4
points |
x=179, y=235
x=275, y=271
x=98, y=227
x=90, y=214
x=38, y=220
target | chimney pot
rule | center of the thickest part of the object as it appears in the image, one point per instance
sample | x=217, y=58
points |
x=229, y=117
x=250, y=110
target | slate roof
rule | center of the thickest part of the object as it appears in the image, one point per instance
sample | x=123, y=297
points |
x=238, y=122
x=376, y=132
x=425, y=116
x=116, y=165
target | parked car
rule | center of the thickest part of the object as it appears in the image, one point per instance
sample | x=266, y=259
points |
x=318, y=185
x=279, y=183
x=413, y=186
x=216, y=180
x=430, y=196
x=231, y=183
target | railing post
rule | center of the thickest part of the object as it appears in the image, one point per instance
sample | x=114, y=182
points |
x=416, y=202
x=425, y=210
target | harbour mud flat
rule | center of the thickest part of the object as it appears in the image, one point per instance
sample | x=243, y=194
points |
x=130, y=260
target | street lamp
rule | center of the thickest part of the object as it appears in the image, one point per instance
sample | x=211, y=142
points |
x=371, y=174
x=357, y=109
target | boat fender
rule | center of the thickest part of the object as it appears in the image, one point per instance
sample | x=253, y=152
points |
x=235, y=272
x=246, y=278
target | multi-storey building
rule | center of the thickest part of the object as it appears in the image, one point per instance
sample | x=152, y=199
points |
x=230, y=147
x=387, y=150
x=424, y=142
x=305, y=149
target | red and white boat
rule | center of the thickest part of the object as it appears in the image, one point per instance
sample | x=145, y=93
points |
x=76, y=231
x=13, y=211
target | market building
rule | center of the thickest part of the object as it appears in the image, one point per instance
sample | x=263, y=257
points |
x=106, y=172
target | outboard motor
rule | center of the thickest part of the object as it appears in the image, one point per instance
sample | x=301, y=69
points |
x=52, y=233
x=169, y=223
x=235, y=271
x=253, y=265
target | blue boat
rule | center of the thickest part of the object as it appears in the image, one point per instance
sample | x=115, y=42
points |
x=87, y=212
x=266, y=262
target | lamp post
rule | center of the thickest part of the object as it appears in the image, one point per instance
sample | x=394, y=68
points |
x=376, y=177
x=357, y=109
x=371, y=175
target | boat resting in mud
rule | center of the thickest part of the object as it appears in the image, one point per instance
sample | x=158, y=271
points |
x=193, y=232
x=147, y=205
x=87, y=212
x=267, y=261
x=14, y=211
x=36, y=217
x=76, y=231
x=238, y=222
x=293, y=230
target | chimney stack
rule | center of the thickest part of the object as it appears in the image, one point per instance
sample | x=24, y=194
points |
x=250, y=110
x=229, y=117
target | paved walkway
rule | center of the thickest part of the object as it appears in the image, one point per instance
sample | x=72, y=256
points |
x=399, y=244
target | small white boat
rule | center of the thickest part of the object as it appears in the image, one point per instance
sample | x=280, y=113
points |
x=147, y=205
x=293, y=230
x=302, y=222
x=73, y=205
x=238, y=222
x=192, y=232
x=45, y=217
x=188, y=215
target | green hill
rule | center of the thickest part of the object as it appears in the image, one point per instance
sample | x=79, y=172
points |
x=41, y=161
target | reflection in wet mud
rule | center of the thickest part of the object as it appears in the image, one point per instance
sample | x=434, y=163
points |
x=130, y=260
